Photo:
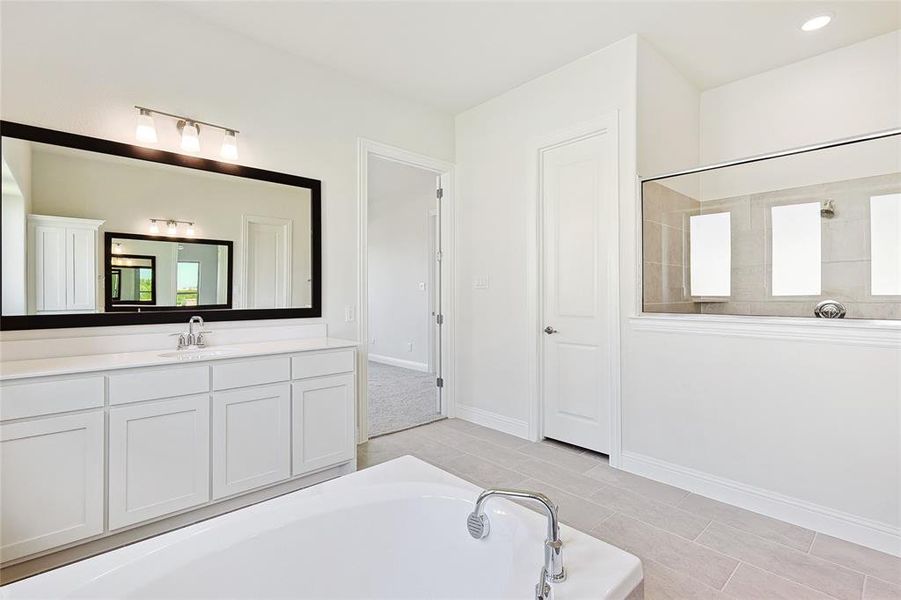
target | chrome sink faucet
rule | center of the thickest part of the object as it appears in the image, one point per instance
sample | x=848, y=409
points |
x=553, y=570
x=190, y=338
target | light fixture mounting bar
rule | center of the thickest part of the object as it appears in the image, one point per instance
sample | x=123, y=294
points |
x=187, y=119
x=172, y=221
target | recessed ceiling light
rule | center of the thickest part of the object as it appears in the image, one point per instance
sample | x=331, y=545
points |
x=817, y=22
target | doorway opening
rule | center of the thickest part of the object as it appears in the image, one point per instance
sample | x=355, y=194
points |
x=403, y=323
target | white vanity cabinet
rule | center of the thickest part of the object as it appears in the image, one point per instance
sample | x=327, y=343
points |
x=121, y=451
x=52, y=482
x=323, y=420
x=158, y=458
x=62, y=269
x=251, y=438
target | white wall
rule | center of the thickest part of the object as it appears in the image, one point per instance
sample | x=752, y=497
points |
x=497, y=145
x=16, y=204
x=842, y=93
x=668, y=119
x=817, y=422
x=96, y=60
x=400, y=200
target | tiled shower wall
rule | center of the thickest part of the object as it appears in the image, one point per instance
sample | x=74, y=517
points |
x=665, y=242
x=845, y=250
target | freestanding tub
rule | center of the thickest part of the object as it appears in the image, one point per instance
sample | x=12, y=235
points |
x=396, y=530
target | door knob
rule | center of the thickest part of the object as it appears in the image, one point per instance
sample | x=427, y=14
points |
x=549, y=330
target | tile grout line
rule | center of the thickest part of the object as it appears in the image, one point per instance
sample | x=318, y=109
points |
x=731, y=575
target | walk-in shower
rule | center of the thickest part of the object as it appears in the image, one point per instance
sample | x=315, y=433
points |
x=808, y=232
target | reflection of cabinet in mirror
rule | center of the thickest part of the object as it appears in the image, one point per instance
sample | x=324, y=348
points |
x=62, y=264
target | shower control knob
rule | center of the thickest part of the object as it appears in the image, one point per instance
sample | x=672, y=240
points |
x=550, y=330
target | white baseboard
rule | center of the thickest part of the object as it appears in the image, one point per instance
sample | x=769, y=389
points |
x=398, y=362
x=866, y=532
x=492, y=420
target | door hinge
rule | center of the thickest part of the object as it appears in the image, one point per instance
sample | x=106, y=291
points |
x=439, y=319
x=440, y=382
x=440, y=193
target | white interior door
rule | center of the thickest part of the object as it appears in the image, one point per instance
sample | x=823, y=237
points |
x=579, y=196
x=267, y=262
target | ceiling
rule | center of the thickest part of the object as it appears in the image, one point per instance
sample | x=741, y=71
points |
x=455, y=55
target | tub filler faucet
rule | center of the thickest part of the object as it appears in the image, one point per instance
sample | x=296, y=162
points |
x=552, y=571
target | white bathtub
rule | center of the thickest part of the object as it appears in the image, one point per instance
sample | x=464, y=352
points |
x=397, y=530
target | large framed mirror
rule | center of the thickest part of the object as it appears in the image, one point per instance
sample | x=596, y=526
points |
x=96, y=232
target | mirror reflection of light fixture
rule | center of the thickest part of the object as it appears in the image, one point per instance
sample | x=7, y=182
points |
x=154, y=228
x=229, y=149
x=188, y=130
x=190, y=136
x=145, y=130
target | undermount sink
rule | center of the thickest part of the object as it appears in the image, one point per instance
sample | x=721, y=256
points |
x=199, y=353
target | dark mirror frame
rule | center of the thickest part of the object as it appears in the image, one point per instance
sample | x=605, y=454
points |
x=148, y=317
x=108, y=255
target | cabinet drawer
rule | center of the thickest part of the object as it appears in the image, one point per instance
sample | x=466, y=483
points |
x=51, y=472
x=22, y=400
x=158, y=383
x=322, y=363
x=251, y=372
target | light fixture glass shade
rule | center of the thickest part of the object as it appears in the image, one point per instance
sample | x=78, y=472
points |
x=190, y=137
x=190, y=229
x=230, y=146
x=154, y=228
x=145, y=131
x=171, y=227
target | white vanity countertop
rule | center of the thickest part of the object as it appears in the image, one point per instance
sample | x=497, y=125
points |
x=67, y=365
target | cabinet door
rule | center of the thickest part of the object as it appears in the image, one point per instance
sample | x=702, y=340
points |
x=323, y=422
x=49, y=268
x=51, y=482
x=81, y=284
x=251, y=438
x=158, y=458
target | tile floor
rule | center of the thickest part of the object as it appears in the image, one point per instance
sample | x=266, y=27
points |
x=691, y=546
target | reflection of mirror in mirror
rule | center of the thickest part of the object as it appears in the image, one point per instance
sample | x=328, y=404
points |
x=170, y=273
x=222, y=241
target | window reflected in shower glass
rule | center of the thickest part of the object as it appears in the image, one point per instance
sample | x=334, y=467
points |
x=885, y=245
x=796, y=249
x=711, y=255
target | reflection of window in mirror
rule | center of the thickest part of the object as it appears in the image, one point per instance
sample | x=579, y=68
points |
x=187, y=292
x=796, y=249
x=885, y=245
x=711, y=255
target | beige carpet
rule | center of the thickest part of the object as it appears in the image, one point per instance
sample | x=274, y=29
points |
x=400, y=398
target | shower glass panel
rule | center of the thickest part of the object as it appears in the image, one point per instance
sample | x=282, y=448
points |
x=779, y=235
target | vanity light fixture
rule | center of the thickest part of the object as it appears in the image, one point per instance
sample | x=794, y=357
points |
x=817, y=22
x=145, y=131
x=171, y=226
x=188, y=130
x=117, y=248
